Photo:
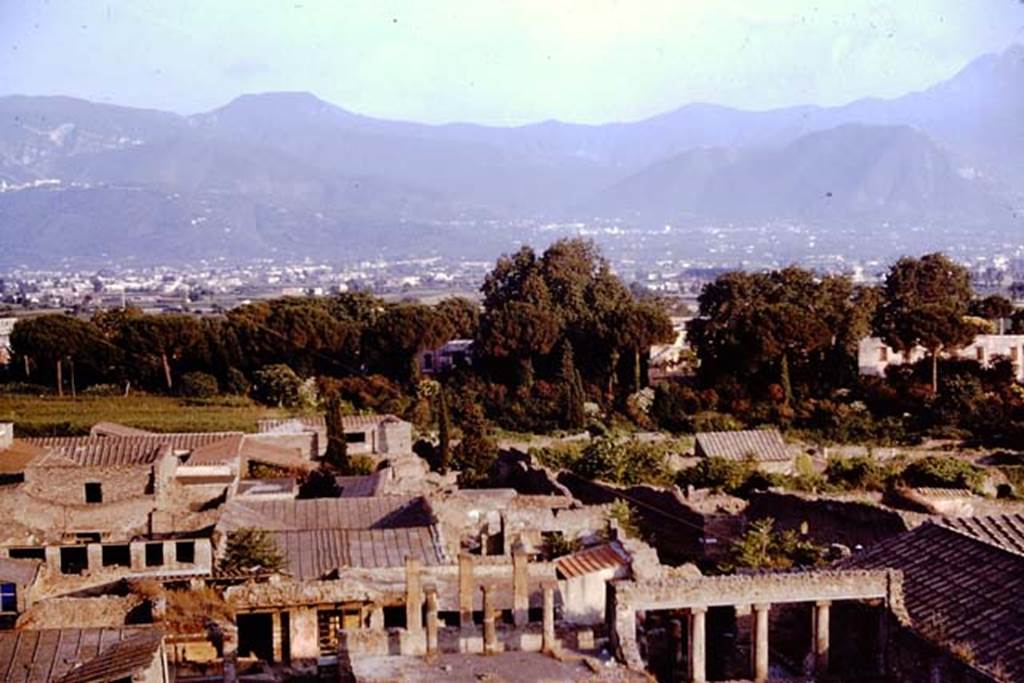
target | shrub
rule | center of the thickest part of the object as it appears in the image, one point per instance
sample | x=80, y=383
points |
x=319, y=483
x=709, y=421
x=860, y=473
x=199, y=385
x=761, y=547
x=103, y=390
x=627, y=463
x=625, y=516
x=251, y=550
x=737, y=478
x=944, y=472
x=277, y=385
x=360, y=465
x=235, y=383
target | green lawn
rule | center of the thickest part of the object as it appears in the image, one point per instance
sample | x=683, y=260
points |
x=50, y=415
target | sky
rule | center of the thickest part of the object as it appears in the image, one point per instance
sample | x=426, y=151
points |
x=496, y=62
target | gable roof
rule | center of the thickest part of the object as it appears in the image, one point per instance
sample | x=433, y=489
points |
x=764, y=445
x=178, y=441
x=217, y=452
x=316, y=553
x=352, y=423
x=590, y=560
x=959, y=589
x=105, y=452
x=76, y=655
x=381, y=512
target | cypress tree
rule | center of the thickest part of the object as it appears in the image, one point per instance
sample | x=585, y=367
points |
x=444, y=432
x=336, y=455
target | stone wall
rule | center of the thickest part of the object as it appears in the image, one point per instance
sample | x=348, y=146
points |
x=95, y=612
x=66, y=485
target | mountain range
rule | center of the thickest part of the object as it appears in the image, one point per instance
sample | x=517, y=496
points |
x=291, y=175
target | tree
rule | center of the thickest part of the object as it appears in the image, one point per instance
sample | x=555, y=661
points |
x=462, y=316
x=761, y=547
x=444, y=451
x=336, y=454
x=924, y=303
x=572, y=389
x=994, y=308
x=54, y=340
x=250, y=551
x=277, y=385
x=476, y=452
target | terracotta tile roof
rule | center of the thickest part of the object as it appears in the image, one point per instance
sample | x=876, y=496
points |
x=178, y=441
x=381, y=512
x=18, y=455
x=316, y=553
x=958, y=589
x=115, y=429
x=104, y=452
x=765, y=445
x=1005, y=531
x=590, y=560
x=319, y=422
x=217, y=452
x=43, y=656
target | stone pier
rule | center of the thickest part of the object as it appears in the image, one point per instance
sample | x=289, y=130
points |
x=466, y=590
x=520, y=589
x=760, y=649
x=698, y=644
x=821, y=636
x=432, y=621
x=548, y=617
x=413, y=596
x=490, y=629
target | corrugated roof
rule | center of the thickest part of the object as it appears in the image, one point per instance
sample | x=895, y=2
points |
x=590, y=560
x=316, y=553
x=217, y=452
x=319, y=422
x=104, y=452
x=327, y=513
x=178, y=441
x=115, y=429
x=765, y=445
x=958, y=588
x=42, y=656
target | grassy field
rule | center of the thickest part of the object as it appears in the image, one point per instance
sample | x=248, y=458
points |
x=50, y=415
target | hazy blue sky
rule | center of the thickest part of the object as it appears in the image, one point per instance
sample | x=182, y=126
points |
x=495, y=62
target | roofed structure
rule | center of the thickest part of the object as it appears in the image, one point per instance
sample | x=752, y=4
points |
x=317, y=422
x=115, y=429
x=317, y=553
x=590, y=560
x=78, y=655
x=104, y=452
x=963, y=584
x=381, y=512
x=763, y=445
x=183, y=442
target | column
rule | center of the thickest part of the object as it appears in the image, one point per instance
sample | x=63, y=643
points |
x=276, y=636
x=94, y=554
x=821, y=636
x=204, y=554
x=52, y=554
x=485, y=538
x=377, y=617
x=490, y=630
x=698, y=645
x=431, y=620
x=137, y=552
x=520, y=589
x=465, y=591
x=761, y=643
x=548, y=642
x=170, y=553
x=413, y=595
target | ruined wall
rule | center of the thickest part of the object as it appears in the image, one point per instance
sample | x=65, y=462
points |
x=50, y=520
x=303, y=442
x=394, y=436
x=66, y=485
x=827, y=521
x=96, y=612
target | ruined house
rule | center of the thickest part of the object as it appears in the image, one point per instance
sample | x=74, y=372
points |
x=373, y=435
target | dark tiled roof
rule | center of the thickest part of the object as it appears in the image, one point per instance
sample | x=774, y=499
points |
x=590, y=560
x=381, y=512
x=1005, y=531
x=316, y=553
x=764, y=445
x=50, y=655
x=958, y=589
x=365, y=486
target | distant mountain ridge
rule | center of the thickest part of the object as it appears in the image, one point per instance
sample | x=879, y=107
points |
x=288, y=173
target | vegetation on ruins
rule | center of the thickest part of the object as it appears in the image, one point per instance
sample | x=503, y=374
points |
x=250, y=550
x=762, y=547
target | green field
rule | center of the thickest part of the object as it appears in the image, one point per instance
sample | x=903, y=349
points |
x=50, y=415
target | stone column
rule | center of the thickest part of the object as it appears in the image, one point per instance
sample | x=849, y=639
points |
x=698, y=645
x=761, y=642
x=170, y=553
x=377, y=617
x=276, y=636
x=52, y=554
x=94, y=555
x=821, y=636
x=204, y=553
x=520, y=589
x=548, y=639
x=466, y=590
x=490, y=630
x=485, y=538
x=413, y=595
x=137, y=552
x=431, y=620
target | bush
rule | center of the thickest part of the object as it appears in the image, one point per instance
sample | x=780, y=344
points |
x=235, y=383
x=103, y=390
x=251, y=550
x=199, y=385
x=360, y=465
x=737, y=478
x=709, y=421
x=623, y=462
x=944, y=472
x=860, y=473
x=277, y=385
x=761, y=547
